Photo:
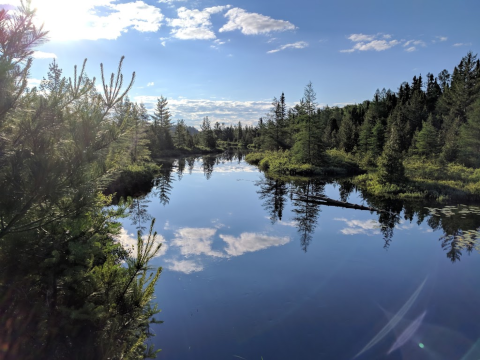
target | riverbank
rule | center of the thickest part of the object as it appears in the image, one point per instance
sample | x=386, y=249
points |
x=282, y=163
x=424, y=178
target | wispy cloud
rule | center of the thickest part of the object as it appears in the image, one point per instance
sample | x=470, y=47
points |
x=440, y=38
x=184, y=266
x=462, y=44
x=151, y=83
x=43, y=55
x=378, y=42
x=361, y=37
x=217, y=43
x=228, y=111
x=354, y=227
x=297, y=45
x=411, y=45
x=253, y=23
x=250, y=242
x=194, y=24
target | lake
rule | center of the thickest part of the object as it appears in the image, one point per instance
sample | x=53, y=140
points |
x=261, y=268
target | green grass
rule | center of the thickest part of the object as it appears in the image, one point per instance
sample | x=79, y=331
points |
x=282, y=163
x=427, y=179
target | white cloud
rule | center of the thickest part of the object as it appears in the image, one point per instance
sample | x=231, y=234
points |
x=442, y=38
x=96, y=19
x=414, y=42
x=163, y=43
x=371, y=42
x=288, y=223
x=194, y=24
x=34, y=82
x=462, y=44
x=410, y=49
x=196, y=241
x=250, y=242
x=169, y=1
x=377, y=45
x=361, y=37
x=253, y=23
x=151, y=83
x=297, y=45
x=184, y=266
x=368, y=227
x=228, y=111
x=43, y=55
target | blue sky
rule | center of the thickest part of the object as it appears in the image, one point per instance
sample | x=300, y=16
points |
x=227, y=59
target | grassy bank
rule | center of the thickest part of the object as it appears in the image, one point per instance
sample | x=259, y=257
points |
x=282, y=163
x=426, y=179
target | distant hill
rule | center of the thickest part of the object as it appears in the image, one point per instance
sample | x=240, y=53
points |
x=191, y=130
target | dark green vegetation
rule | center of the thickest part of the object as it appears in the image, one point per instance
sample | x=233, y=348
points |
x=422, y=141
x=68, y=289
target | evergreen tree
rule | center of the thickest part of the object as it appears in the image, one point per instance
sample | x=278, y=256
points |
x=208, y=138
x=308, y=147
x=69, y=290
x=347, y=133
x=426, y=141
x=470, y=137
x=162, y=124
x=181, y=134
x=390, y=165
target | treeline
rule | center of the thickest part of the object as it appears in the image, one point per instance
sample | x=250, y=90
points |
x=436, y=118
x=68, y=288
x=159, y=135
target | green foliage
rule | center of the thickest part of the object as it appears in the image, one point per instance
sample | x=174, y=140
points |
x=390, y=166
x=426, y=141
x=69, y=289
x=161, y=138
x=308, y=147
x=470, y=137
x=208, y=137
x=281, y=162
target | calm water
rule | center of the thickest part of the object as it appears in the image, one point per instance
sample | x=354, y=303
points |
x=254, y=268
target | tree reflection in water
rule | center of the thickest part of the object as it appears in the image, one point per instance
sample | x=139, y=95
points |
x=138, y=213
x=306, y=208
x=460, y=224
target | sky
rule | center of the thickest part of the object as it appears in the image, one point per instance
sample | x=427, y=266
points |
x=227, y=59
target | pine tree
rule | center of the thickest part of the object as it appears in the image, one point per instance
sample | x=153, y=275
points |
x=470, y=137
x=162, y=124
x=390, y=165
x=308, y=147
x=426, y=141
x=180, y=136
x=70, y=290
x=208, y=138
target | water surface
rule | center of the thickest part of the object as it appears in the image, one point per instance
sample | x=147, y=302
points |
x=255, y=267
